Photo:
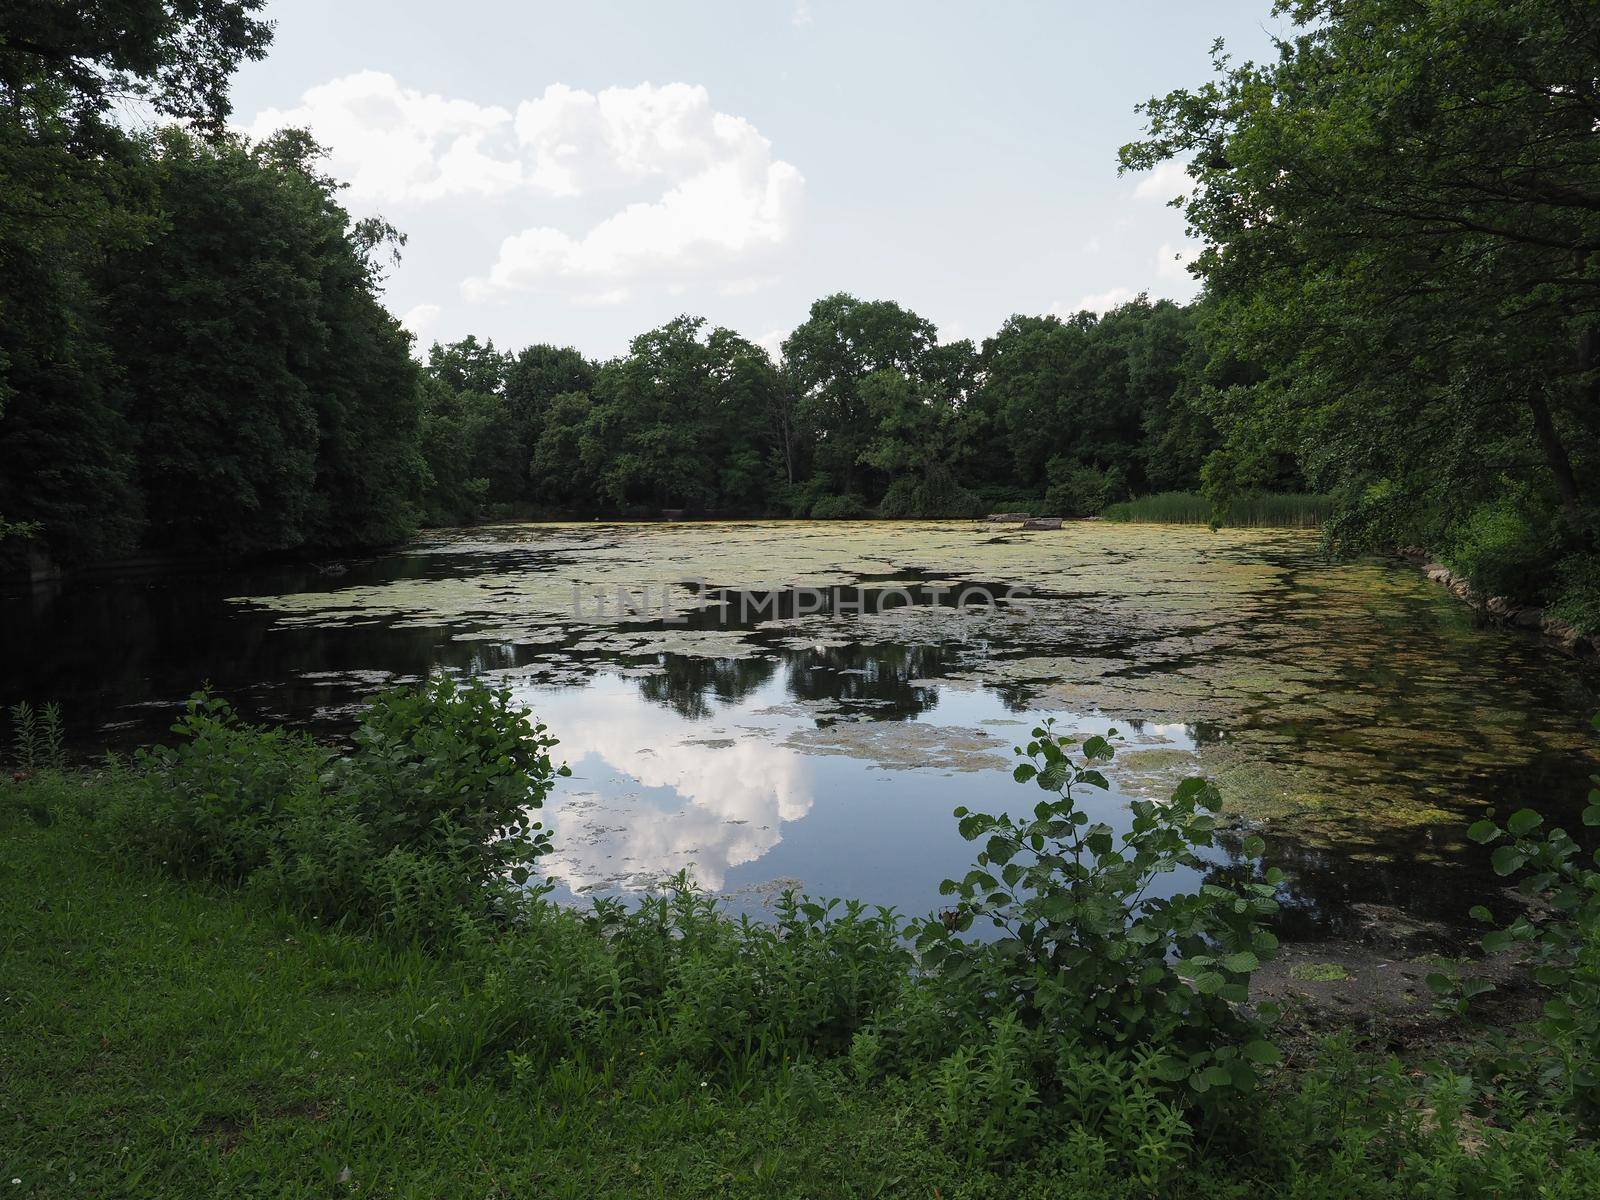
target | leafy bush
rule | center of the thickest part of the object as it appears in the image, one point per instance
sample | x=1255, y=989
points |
x=1578, y=598
x=933, y=496
x=680, y=984
x=426, y=819
x=452, y=771
x=840, y=508
x=1084, y=954
x=1561, y=935
x=1079, y=490
x=1505, y=547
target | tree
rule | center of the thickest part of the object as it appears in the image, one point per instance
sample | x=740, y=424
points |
x=75, y=192
x=273, y=400
x=841, y=342
x=679, y=421
x=1402, y=217
x=177, y=55
x=533, y=379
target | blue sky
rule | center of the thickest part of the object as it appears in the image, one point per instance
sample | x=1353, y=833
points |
x=577, y=173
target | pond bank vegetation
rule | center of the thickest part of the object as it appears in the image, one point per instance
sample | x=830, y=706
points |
x=1276, y=510
x=361, y=989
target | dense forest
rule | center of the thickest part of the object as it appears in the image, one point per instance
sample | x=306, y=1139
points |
x=1400, y=309
x=868, y=412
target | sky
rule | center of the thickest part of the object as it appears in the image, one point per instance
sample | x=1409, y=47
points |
x=578, y=173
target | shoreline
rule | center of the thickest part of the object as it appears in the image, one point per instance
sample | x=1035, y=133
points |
x=1502, y=609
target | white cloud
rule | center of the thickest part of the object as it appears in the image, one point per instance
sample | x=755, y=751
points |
x=1093, y=245
x=1100, y=302
x=420, y=320
x=395, y=145
x=609, y=298
x=716, y=220
x=1167, y=181
x=772, y=342
x=714, y=199
x=802, y=13
x=746, y=286
x=726, y=202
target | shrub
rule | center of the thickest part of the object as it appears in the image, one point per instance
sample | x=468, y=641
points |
x=679, y=982
x=1084, y=954
x=936, y=495
x=1561, y=936
x=1578, y=597
x=840, y=508
x=1505, y=548
x=452, y=771
x=426, y=819
x=1079, y=490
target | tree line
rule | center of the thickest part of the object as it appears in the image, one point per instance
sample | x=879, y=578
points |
x=1400, y=219
x=195, y=359
x=193, y=354
x=865, y=412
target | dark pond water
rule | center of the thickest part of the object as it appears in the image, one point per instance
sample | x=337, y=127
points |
x=812, y=707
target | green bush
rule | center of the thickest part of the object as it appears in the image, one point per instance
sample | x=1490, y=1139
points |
x=425, y=820
x=840, y=508
x=935, y=496
x=1578, y=596
x=1079, y=490
x=1505, y=547
x=1560, y=935
x=1084, y=955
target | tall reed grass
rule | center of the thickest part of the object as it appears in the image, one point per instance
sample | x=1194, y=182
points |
x=1291, y=511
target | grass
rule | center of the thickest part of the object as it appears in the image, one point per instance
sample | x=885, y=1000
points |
x=1291, y=511
x=1318, y=972
x=158, y=1039
x=163, y=1038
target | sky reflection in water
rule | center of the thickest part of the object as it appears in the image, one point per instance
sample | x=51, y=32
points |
x=1350, y=711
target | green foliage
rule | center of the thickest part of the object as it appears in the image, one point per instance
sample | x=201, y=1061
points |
x=812, y=1054
x=1079, y=490
x=175, y=54
x=1416, y=320
x=839, y=508
x=677, y=984
x=1578, y=592
x=1240, y=512
x=425, y=822
x=1084, y=953
x=1505, y=547
x=1560, y=933
x=38, y=740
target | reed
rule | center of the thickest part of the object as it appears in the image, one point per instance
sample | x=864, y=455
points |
x=1283, y=511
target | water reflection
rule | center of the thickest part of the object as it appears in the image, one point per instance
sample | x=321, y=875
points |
x=1352, y=714
x=654, y=793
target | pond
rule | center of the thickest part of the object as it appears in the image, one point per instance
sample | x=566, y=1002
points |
x=772, y=704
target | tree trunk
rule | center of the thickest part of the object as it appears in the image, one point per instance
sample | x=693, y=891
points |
x=1555, y=454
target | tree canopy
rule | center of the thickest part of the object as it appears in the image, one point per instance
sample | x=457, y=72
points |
x=1401, y=217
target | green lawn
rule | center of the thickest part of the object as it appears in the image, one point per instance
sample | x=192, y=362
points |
x=161, y=1040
